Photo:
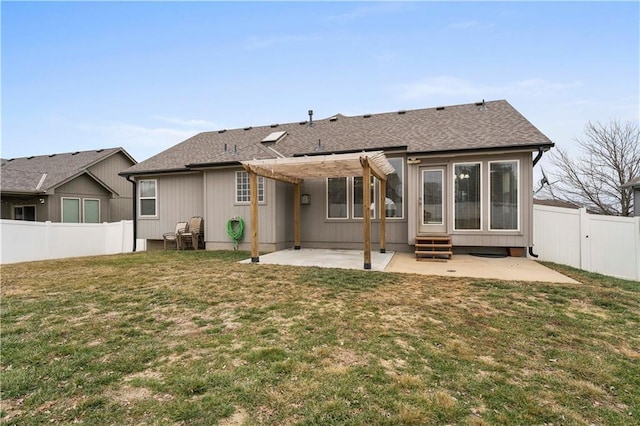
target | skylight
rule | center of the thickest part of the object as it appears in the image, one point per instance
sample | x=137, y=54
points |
x=274, y=137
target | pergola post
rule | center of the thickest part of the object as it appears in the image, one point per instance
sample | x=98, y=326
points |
x=366, y=212
x=296, y=216
x=253, y=193
x=383, y=216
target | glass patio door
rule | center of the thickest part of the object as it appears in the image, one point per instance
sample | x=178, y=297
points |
x=432, y=217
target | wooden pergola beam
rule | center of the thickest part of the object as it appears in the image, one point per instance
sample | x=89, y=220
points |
x=272, y=174
x=294, y=170
x=383, y=215
x=296, y=216
x=375, y=170
x=366, y=212
x=253, y=194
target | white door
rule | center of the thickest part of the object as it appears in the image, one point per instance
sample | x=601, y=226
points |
x=432, y=216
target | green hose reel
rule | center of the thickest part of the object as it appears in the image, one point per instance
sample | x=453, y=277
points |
x=235, y=230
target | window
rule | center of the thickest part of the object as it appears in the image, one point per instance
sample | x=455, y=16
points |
x=342, y=192
x=504, y=206
x=395, y=190
x=148, y=197
x=91, y=210
x=467, y=196
x=357, y=198
x=243, y=189
x=24, y=213
x=337, y=198
x=71, y=210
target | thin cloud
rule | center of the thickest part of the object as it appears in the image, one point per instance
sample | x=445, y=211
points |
x=254, y=43
x=362, y=12
x=448, y=86
x=469, y=25
x=191, y=123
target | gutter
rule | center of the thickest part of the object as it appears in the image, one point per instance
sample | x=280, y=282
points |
x=539, y=156
x=135, y=210
x=535, y=161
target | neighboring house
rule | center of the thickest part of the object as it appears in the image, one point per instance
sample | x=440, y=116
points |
x=463, y=171
x=634, y=184
x=74, y=187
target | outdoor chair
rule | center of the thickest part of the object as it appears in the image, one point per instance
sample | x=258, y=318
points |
x=193, y=234
x=172, y=237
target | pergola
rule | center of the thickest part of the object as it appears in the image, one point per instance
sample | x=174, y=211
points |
x=295, y=169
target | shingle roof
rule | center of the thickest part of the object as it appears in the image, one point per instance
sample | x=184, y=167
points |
x=40, y=173
x=469, y=127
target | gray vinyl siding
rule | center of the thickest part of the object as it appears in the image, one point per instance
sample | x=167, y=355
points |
x=316, y=231
x=42, y=209
x=221, y=206
x=484, y=237
x=81, y=187
x=179, y=197
x=121, y=207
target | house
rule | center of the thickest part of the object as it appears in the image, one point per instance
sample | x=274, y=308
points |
x=82, y=186
x=634, y=184
x=462, y=172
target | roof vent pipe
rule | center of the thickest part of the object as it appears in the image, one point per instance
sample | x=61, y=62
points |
x=310, y=117
x=225, y=148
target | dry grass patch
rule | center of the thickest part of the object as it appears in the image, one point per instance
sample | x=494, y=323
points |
x=139, y=339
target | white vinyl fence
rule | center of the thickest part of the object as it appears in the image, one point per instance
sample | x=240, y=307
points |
x=608, y=245
x=25, y=241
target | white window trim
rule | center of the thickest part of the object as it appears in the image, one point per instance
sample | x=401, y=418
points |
x=442, y=204
x=140, y=198
x=62, y=209
x=347, y=201
x=84, y=219
x=519, y=199
x=264, y=189
x=453, y=198
x=22, y=206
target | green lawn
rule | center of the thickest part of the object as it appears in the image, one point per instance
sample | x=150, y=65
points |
x=196, y=338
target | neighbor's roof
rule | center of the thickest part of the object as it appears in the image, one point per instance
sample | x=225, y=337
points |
x=38, y=174
x=469, y=127
x=633, y=183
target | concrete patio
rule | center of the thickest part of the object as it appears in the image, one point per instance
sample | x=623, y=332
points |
x=504, y=268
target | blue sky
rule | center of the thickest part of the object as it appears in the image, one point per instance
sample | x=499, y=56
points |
x=147, y=75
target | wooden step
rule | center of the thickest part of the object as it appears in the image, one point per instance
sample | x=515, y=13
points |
x=420, y=245
x=438, y=238
x=433, y=246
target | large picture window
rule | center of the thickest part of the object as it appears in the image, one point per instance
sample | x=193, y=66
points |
x=504, y=206
x=243, y=188
x=148, y=198
x=467, y=183
x=394, y=206
x=91, y=210
x=337, y=204
x=344, y=192
x=71, y=210
x=357, y=198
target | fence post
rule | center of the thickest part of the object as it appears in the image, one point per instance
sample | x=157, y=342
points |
x=637, y=251
x=585, y=241
x=123, y=236
x=48, y=240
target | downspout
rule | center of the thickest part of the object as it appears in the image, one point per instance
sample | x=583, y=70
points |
x=135, y=211
x=539, y=156
x=535, y=161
